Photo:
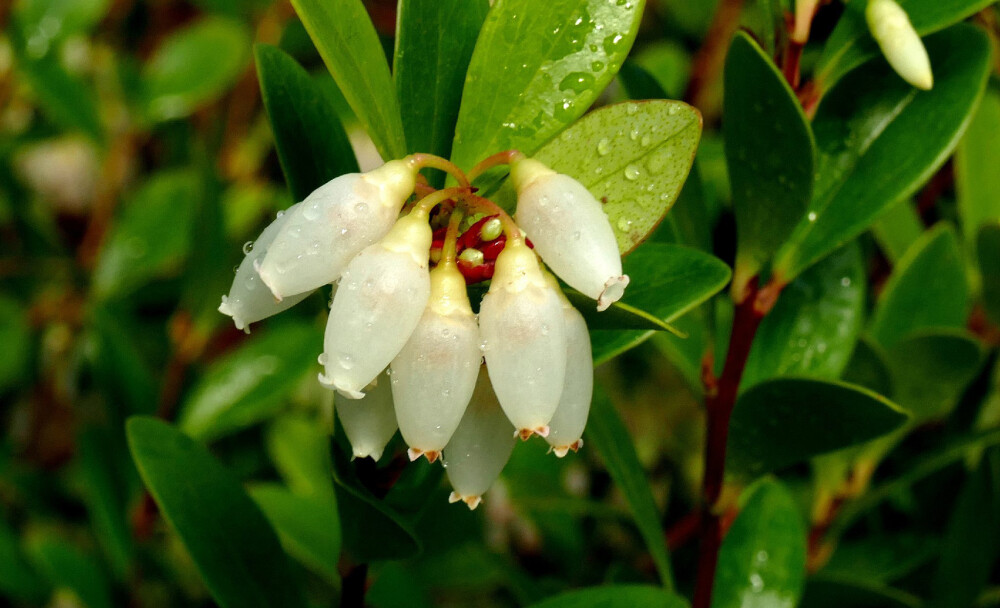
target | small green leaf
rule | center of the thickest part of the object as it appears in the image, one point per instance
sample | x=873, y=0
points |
x=312, y=145
x=194, y=66
x=300, y=450
x=67, y=566
x=930, y=369
x=236, y=551
x=308, y=526
x=15, y=335
x=976, y=181
x=18, y=580
x=138, y=247
x=897, y=229
x=615, y=596
x=854, y=592
x=64, y=98
x=349, y=45
x=927, y=289
x=434, y=43
x=633, y=157
x=851, y=43
x=988, y=253
x=666, y=281
x=250, y=383
x=813, y=328
x=536, y=68
x=762, y=561
x=868, y=367
x=787, y=420
x=45, y=23
x=607, y=432
x=769, y=153
x=878, y=139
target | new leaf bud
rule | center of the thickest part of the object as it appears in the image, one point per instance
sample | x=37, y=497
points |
x=900, y=43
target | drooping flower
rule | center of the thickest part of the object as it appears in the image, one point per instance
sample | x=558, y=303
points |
x=480, y=447
x=900, y=43
x=570, y=230
x=332, y=225
x=370, y=422
x=524, y=340
x=567, y=424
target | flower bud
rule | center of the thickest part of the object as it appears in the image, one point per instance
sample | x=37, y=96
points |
x=249, y=300
x=570, y=230
x=332, y=225
x=900, y=43
x=524, y=340
x=434, y=375
x=480, y=446
x=566, y=426
x=370, y=422
x=379, y=301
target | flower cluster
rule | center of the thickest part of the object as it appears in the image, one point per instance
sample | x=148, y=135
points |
x=402, y=343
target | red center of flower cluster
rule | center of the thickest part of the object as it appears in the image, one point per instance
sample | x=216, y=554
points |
x=472, y=238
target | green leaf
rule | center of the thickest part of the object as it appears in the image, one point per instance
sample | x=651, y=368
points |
x=851, y=44
x=787, y=420
x=312, y=145
x=930, y=369
x=236, y=551
x=633, y=157
x=878, y=139
x=373, y=531
x=300, y=450
x=606, y=431
x=194, y=66
x=971, y=537
x=883, y=558
x=66, y=566
x=988, y=253
x=769, y=153
x=868, y=367
x=119, y=366
x=18, y=580
x=615, y=596
x=897, y=229
x=976, y=181
x=536, y=68
x=15, y=335
x=66, y=100
x=349, y=45
x=667, y=281
x=251, y=383
x=927, y=289
x=308, y=526
x=618, y=316
x=434, y=43
x=814, y=326
x=45, y=23
x=106, y=472
x=762, y=561
x=854, y=592
x=138, y=247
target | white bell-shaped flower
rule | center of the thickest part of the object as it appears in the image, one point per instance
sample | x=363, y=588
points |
x=570, y=230
x=480, y=446
x=249, y=300
x=381, y=296
x=566, y=426
x=370, y=422
x=891, y=28
x=332, y=225
x=434, y=375
x=524, y=340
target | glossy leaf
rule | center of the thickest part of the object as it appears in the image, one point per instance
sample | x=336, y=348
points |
x=769, y=153
x=250, y=383
x=300, y=450
x=667, y=281
x=633, y=157
x=851, y=44
x=927, y=289
x=66, y=566
x=930, y=369
x=878, y=140
x=988, y=254
x=762, y=560
x=308, y=526
x=606, y=431
x=615, y=596
x=236, y=551
x=18, y=580
x=434, y=43
x=897, y=230
x=536, y=68
x=349, y=45
x=194, y=66
x=312, y=145
x=787, y=420
x=813, y=328
x=976, y=181
x=138, y=248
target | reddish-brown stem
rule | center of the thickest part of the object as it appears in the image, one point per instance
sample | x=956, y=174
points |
x=720, y=397
x=790, y=63
x=500, y=158
x=708, y=62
